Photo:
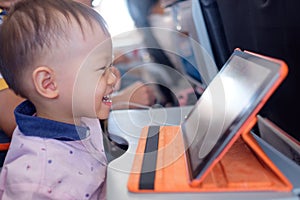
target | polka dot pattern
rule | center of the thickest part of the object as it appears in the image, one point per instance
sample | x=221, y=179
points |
x=70, y=169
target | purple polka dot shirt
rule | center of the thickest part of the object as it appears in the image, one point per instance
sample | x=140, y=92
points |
x=53, y=160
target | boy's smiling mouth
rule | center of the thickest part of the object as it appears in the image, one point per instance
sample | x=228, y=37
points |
x=107, y=100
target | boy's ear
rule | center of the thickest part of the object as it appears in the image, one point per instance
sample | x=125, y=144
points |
x=44, y=82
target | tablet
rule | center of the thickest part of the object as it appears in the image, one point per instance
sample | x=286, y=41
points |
x=227, y=108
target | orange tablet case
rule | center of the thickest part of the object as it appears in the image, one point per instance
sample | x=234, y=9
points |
x=242, y=165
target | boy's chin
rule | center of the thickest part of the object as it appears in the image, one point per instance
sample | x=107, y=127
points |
x=103, y=118
x=103, y=115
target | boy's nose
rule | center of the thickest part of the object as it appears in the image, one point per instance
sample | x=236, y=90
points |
x=111, y=79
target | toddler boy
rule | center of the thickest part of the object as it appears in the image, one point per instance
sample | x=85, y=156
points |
x=57, y=54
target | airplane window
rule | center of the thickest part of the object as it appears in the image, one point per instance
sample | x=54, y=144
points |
x=115, y=14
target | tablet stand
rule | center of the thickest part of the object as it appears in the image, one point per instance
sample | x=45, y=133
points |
x=244, y=167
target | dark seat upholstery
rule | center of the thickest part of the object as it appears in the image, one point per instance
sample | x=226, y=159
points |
x=216, y=33
x=272, y=28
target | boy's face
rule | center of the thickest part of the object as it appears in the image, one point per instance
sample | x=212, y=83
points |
x=87, y=81
x=94, y=83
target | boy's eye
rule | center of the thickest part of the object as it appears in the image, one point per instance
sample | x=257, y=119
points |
x=103, y=69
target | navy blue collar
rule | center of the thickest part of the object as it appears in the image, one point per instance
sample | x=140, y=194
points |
x=31, y=125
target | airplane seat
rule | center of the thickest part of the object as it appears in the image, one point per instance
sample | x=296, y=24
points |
x=213, y=51
x=269, y=27
x=215, y=30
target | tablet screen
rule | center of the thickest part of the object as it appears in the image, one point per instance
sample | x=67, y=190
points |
x=224, y=106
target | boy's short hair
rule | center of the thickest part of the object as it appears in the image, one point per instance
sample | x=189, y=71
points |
x=33, y=26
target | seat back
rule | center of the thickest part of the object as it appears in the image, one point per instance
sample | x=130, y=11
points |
x=269, y=27
x=215, y=30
